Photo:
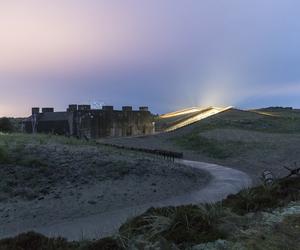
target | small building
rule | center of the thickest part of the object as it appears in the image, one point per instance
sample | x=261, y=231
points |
x=82, y=121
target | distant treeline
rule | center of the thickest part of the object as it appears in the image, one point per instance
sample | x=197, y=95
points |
x=9, y=125
x=169, y=155
x=278, y=108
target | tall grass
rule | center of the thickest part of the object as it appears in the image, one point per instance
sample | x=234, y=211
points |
x=264, y=197
x=183, y=224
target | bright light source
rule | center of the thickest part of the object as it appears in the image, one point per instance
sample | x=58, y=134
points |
x=181, y=112
x=199, y=116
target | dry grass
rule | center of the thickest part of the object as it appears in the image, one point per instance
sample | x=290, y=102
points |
x=35, y=241
x=183, y=225
x=263, y=198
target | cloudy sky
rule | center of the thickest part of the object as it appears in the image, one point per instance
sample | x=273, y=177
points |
x=166, y=54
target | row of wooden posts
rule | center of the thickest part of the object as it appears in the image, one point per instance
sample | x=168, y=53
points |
x=168, y=155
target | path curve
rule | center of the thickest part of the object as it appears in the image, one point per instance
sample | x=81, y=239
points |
x=224, y=181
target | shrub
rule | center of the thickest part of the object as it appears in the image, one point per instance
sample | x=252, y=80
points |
x=6, y=125
x=105, y=244
x=34, y=241
x=181, y=225
x=263, y=198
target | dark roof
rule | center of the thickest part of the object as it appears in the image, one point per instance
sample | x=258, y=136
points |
x=54, y=116
x=50, y=116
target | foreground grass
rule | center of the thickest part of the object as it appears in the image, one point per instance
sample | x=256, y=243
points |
x=263, y=197
x=35, y=241
x=283, y=235
x=189, y=225
x=177, y=224
x=251, y=219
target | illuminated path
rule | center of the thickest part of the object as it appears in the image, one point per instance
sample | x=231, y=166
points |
x=224, y=181
x=190, y=116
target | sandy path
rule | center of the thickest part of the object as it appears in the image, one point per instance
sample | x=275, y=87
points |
x=224, y=181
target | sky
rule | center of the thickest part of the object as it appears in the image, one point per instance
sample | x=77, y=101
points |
x=165, y=54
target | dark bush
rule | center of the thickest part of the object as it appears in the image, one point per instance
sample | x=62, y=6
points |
x=34, y=241
x=6, y=125
x=105, y=244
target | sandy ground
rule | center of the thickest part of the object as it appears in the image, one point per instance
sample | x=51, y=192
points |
x=65, y=183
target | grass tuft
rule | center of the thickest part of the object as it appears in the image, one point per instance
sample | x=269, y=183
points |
x=181, y=225
x=264, y=198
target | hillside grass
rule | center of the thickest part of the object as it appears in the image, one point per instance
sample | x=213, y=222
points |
x=211, y=147
x=22, y=138
x=23, y=170
x=283, y=122
x=12, y=146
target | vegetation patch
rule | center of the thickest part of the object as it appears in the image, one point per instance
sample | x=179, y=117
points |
x=264, y=197
x=190, y=225
x=35, y=241
x=183, y=225
x=6, y=125
x=108, y=243
x=282, y=235
x=210, y=147
x=284, y=122
x=227, y=223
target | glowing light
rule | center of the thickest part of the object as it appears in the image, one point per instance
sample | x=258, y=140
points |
x=265, y=113
x=181, y=112
x=199, y=116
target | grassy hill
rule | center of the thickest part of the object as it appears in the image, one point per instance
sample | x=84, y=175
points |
x=251, y=141
x=264, y=120
x=194, y=137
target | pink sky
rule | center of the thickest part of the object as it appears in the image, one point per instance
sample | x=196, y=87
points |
x=166, y=54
